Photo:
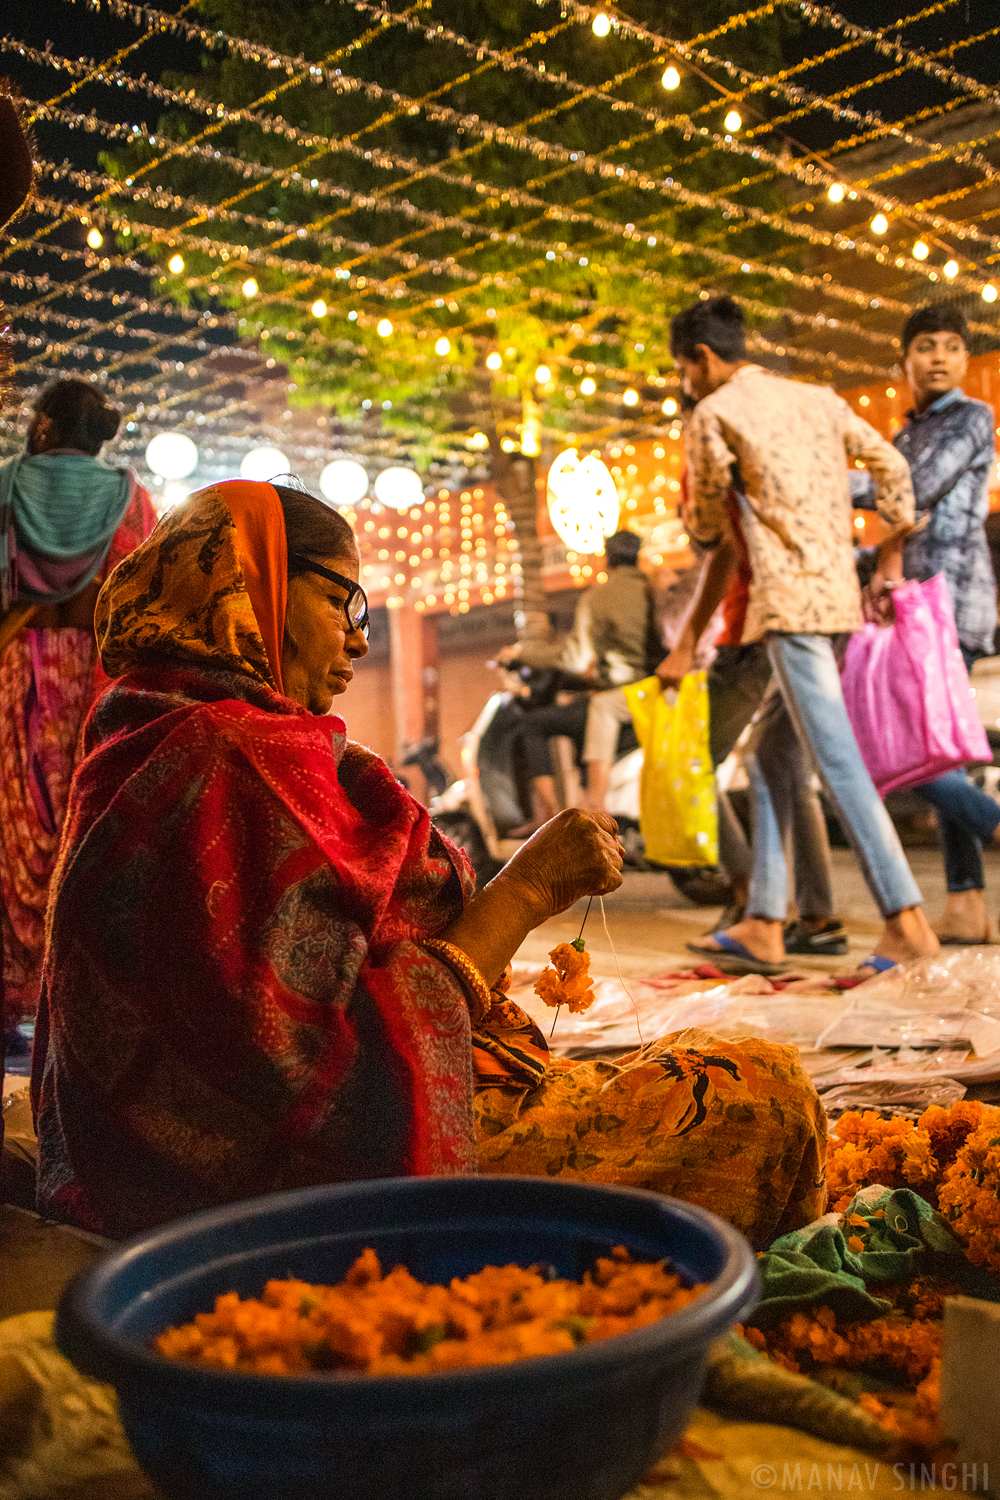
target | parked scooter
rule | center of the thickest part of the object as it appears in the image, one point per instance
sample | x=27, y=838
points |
x=491, y=796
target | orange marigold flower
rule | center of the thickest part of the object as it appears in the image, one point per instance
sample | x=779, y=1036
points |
x=855, y=1244
x=569, y=983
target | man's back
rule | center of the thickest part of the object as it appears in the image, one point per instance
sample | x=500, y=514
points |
x=790, y=443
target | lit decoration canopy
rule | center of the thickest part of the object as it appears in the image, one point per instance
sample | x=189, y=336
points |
x=263, y=464
x=344, y=482
x=171, y=455
x=583, y=501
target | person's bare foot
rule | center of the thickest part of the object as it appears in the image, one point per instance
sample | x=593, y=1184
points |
x=964, y=919
x=760, y=936
x=906, y=936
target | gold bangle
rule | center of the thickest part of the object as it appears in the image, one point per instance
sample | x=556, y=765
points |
x=476, y=988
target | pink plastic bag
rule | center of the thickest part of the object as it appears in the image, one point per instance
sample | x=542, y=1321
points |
x=908, y=695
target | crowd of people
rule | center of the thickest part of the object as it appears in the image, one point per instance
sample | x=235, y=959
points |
x=781, y=587
x=253, y=960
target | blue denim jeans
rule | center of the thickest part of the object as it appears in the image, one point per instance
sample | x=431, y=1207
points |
x=967, y=819
x=806, y=672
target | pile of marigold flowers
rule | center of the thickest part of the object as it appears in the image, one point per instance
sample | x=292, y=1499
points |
x=395, y=1325
x=569, y=983
x=951, y=1157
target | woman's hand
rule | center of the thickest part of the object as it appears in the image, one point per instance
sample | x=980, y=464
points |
x=575, y=854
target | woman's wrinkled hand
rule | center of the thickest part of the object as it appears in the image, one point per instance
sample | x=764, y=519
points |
x=577, y=853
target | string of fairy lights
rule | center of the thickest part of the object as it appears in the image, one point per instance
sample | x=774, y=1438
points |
x=210, y=300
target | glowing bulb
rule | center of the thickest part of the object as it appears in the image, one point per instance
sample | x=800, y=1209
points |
x=493, y=361
x=95, y=239
x=630, y=397
x=318, y=308
x=671, y=79
x=920, y=250
x=176, y=264
x=601, y=24
x=950, y=268
x=384, y=329
x=543, y=374
x=835, y=192
x=588, y=386
x=399, y=488
x=171, y=455
x=733, y=121
x=989, y=292
x=344, y=482
x=250, y=287
x=442, y=346
x=583, y=502
x=261, y=464
x=669, y=407
x=880, y=224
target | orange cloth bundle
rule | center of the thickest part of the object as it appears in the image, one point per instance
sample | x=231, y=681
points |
x=569, y=983
x=396, y=1325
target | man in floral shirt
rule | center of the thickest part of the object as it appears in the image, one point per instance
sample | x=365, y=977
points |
x=783, y=446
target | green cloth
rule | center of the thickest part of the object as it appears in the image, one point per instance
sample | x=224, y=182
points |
x=60, y=506
x=816, y=1266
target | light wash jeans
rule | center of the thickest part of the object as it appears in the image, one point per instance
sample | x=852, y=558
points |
x=739, y=686
x=806, y=672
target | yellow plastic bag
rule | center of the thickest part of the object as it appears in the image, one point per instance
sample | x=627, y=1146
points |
x=677, y=811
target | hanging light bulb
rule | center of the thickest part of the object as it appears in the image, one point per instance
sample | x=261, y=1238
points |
x=835, y=192
x=669, y=407
x=344, y=482
x=733, y=121
x=671, y=79
x=176, y=264
x=583, y=501
x=318, y=308
x=262, y=464
x=920, y=250
x=601, y=24
x=384, y=329
x=493, y=361
x=250, y=287
x=171, y=455
x=442, y=347
x=880, y=224
x=587, y=386
x=989, y=292
x=399, y=488
x=95, y=239
x=631, y=397
x=950, y=268
x=543, y=374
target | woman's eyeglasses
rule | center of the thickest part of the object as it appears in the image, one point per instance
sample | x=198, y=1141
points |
x=356, y=603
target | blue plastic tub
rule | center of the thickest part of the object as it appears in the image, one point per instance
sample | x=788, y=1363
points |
x=584, y=1425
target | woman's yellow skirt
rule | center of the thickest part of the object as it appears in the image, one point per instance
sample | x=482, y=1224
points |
x=733, y=1126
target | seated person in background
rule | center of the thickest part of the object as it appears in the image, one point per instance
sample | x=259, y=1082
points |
x=616, y=640
x=266, y=968
x=554, y=703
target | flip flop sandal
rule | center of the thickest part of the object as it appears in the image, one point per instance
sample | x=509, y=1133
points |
x=727, y=918
x=732, y=958
x=874, y=961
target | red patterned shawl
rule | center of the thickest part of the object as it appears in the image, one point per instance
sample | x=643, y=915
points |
x=234, y=998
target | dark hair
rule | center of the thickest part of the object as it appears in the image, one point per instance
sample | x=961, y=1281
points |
x=79, y=414
x=718, y=322
x=622, y=550
x=313, y=528
x=940, y=319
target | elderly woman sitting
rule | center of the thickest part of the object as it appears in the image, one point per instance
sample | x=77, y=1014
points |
x=266, y=968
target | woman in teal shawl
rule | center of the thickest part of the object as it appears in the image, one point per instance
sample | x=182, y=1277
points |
x=66, y=519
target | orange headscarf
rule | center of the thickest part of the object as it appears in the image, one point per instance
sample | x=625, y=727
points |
x=263, y=553
x=209, y=585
